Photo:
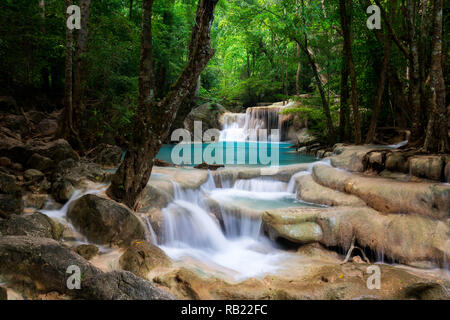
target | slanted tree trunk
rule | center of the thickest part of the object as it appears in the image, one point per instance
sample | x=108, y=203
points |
x=437, y=130
x=153, y=119
x=303, y=44
x=326, y=108
x=346, y=30
x=381, y=85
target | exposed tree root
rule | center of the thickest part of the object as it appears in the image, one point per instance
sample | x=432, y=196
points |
x=350, y=250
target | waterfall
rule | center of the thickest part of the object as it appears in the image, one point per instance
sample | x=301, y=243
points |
x=190, y=229
x=242, y=127
x=151, y=237
x=292, y=185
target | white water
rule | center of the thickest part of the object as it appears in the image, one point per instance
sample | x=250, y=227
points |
x=62, y=212
x=398, y=145
x=241, y=127
x=190, y=229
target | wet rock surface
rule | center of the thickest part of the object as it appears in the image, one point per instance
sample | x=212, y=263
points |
x=70, y=175
x=106, y=155
x=35, y=225
x=42, y=264
x=389, y=196
x=403, y=238
x=87, y=251
x=10, y=196
x=141, y=257
x=310, y=191
x=104, y=221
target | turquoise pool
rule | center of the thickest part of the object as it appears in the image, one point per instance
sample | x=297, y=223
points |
x=233, y=154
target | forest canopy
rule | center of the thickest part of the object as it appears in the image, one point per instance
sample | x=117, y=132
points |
x=265, y=51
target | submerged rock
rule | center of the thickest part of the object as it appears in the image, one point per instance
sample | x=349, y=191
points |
x=105, y=221
x=141, y=257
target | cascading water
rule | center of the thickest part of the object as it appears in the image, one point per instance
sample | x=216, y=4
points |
x=242, y=127
x=190, y=229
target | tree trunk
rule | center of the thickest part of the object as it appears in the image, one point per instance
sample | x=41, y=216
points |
x=79, y=74
x=326, y=108
x=437, y=130
x=346, y=30
x=44, y=71
x=414, y=86
x=299, y=70
x=66, y=128
x=381, y=85
x=131, y=9
x=153, y=119
x=344, y=96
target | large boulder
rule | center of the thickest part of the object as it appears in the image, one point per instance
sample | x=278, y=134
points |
x=12, y=147
x=430, y=167
x=41, y=163
x=35, y=225
x=47, y=127
x=70, y=175
x=43, y=263
x=386, y=195
x=121, y=285
x=57, y=150
x=16, y=123
x=87, y=251
x=395, y=161
x=141, y=257
x=36, y=181
x=8, y=104
x=350, y=157
x=106, y=155
x=10, y=196
x=403, y=238
x=104, y=221
x=40, y=262
x=209, y=114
